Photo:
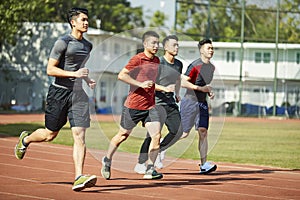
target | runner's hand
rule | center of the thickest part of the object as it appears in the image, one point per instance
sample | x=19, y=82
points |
x=147, y=84
x=82, y=72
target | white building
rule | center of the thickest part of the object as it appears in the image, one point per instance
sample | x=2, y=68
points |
x=257, y=72
x=112, y=51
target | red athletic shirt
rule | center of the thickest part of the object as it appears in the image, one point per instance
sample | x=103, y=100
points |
x=142, y=68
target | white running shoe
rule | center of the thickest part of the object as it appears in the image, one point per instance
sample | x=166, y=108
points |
x=163, y=154
x=158, y=162
x=207, y=168
x=140, y=168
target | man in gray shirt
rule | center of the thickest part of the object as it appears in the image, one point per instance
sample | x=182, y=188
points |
x=169, y=73
x=66, y=98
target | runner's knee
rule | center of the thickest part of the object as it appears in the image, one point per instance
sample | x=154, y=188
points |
x=51, y=135
x=202, y=132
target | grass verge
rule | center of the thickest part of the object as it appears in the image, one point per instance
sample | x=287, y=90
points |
x=272, y=143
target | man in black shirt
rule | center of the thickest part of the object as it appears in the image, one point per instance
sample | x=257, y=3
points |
x=169, y=74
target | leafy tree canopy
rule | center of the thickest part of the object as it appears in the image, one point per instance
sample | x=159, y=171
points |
x=221, y=20
x=115, y=15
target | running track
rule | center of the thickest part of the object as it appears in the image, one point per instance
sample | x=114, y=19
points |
x=46, y=172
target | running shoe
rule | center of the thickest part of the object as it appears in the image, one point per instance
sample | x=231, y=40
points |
x=20, y=149
x=158, y=162
x=152, y=174
x=105, y=170
x=83, y=182
x=163, y=154
x=207, y=168
x=140, y=168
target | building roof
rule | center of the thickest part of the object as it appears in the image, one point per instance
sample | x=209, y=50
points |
x=249, y=45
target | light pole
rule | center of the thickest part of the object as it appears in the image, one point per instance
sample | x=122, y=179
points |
x=276, y=59
x=241, y=59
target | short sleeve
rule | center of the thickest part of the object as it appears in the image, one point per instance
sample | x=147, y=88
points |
x=58, y=49
x=133, y=63
x=188, y=70
x=193, y=74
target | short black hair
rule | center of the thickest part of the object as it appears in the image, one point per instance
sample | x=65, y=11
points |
x=204, y=41
x=75, y=12
x=168, y=38
x=149, y=34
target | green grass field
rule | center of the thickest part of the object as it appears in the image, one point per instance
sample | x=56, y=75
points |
x=270, y=143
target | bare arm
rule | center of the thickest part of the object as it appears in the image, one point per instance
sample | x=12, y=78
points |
x=185, y=83
x=169, y=88
x=54, y=70
x=125, y=77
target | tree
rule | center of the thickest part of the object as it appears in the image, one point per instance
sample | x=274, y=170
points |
x=158, y=19
x=15, y=61
x=115, y=15
x=221, y=20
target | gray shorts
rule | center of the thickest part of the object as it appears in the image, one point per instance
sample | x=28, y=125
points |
x=63, y=104
x=193, y=113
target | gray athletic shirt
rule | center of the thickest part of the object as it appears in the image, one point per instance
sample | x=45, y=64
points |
x=72, y=55
x=167, y=74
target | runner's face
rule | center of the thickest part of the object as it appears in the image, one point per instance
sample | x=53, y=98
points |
x=151, y=44
x=171, y=47
x=207, y=50
x=81, y=23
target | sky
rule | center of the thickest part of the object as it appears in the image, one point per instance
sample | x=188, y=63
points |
x=149, y=7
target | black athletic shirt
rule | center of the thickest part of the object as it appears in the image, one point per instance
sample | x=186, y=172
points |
x=167, y=74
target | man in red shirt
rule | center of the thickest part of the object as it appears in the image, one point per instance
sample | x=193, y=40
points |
x=140, y=73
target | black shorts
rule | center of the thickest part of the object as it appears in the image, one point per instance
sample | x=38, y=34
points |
x=131, y=117
x=62, y=104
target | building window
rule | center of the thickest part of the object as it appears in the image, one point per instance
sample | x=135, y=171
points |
x=264, y=57
x=230, y=56
x=267, y=57
x=103, y=92
x=298, y=58
x=257, y=57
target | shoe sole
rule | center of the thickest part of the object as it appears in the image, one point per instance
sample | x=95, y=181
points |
x=149, y=177
x=139, y=172
x=91, y=182
x=214, y=168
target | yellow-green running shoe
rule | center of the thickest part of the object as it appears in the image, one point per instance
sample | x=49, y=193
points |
x=83, y=182
x=20, y=149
